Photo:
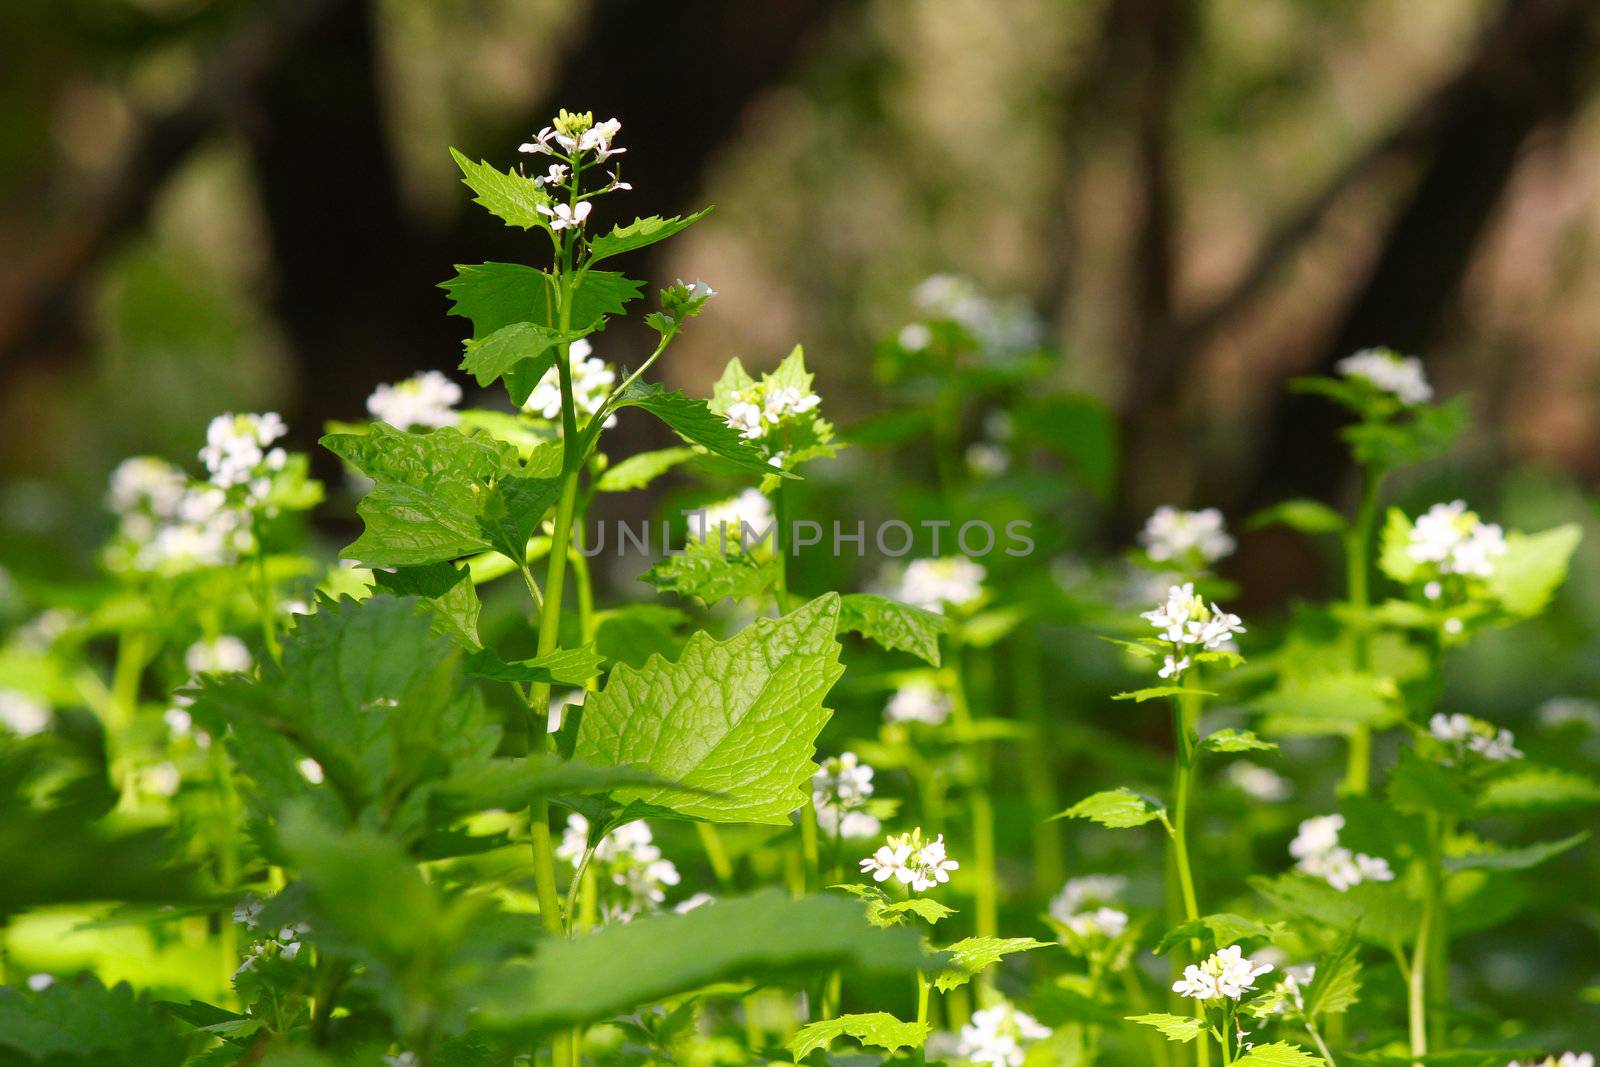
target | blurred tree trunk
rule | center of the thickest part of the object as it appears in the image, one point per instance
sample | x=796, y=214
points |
x=1532, y=68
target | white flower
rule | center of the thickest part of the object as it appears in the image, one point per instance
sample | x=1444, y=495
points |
x=1296, y=980
x=218, y=656
x=1185, y=620
x=310, y=770
x=698, y=900
x=745, y=417
x=987, y=459
x=628, y=859
x=1172, y=534
x=1225, y=973
x=1258, y=782
x=598, y=140
x=179, y=721
x=1086, y=890
x=1399, y=375
x=918, y=701
x=742, y=521
x=1566, y=1059
x=1001, y=328
x=934, y=584
x=236, y=448
x=1318, y=852
x=145, y=483
x=911, y=860
x=163, y=779
x=1101, y=922
x=592, y=380
x=562, y=216
x=1463, y=733
x=22, y=714
x=1456, y=541
x=1499, y=748
x=915, y=336
x=40, y=982
x=1172, y=666
x=999, y=1035
x=839, y=792
x=424, y=399
x=554, y=176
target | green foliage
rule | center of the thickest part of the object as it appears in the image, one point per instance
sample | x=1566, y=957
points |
x=1224, y=928
x=874, y=1029
x=1231, y=740
x=642, y=468
x=640, y=233
x=764, y=936
x=738, y=718
x=897, y=626
x=510, y=196
x=883, y=912
x=702, y=570
x=696, y=423
x=1278, y=1054
x=1117, y=808
x=1307, y=516
x=972, y=956
x=1181, y=1028
x=81, y=1023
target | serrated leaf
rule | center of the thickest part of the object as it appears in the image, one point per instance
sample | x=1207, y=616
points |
x=702, y=570
x=1117, y=808
x=1533, y=567
x=1515, y=859
x=495, y=295
x=640, y=233
x=626, y=965
x=1223, y=929
x=696, y=423
x=1337, y=984
x=565, y=666
x=876, y=1029
x=1278, y=1054
x=495, y=355
x=894, y=625
x=974, y=955
x=881, y=911
x=1332, y=703
x=511, y=784
x=1231, y=740
x=1174, y=1027
x=80, y=1021
x=1529, y=789
x=1380, y=912
x=445, y=588
x=1155, y=692
x=511, y=196
x=642, y=468
x=1431, y=430
x=738, y=717
x=1307, y=516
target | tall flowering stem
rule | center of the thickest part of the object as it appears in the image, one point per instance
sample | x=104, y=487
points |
x=1358, y=570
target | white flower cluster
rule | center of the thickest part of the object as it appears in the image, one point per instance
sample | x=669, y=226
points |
x=1226, y=973
x=1454, y=539
x=165, y=523
x=911, y=861
x=285, y=945
x=576, y=134
x=1318, y=853
x=22, y=714
x=1186, y=621
x=999, y=1035
x=764, y=405
x=1561, y=711
x=1566, y=1059
x=426, y=399
x=839, y=791
x=237, y=452
x=742, y=521
x=1400, y=376
x=934, y=584
x=1296, y=980
x=918, y=701
x=1082, y=906
x=1002, y=328
x=1463, y=733
x=1258, y=782
x=592, y=380
x=219, y=655
x=1174, y=535
x=629, y=859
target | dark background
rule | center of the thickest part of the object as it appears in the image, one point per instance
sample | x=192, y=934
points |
x=235, y=204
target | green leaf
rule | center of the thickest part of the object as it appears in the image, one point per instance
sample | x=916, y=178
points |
x=1515, y=859
x=1419, y=785
x=1380, y=912
x=974, y=955
x=565, y=666
x=876, y=1029
x=894, y=625
x=1533, y=567
x=1332, y=703
x=511, y=784
x=440, y=495
x=1231, y=740
x=495, y=355
x=1530, y=789
x=881, y=911
x=696, y=423
x=81, y=1023
x=1120, y=808
x=640, y=233
x=738, y=717
x=511, y=196
x=495, y=295
x=1223, y=929
x=1156, y=692
x=1307, y=516
x=703, y=570
x=1394, y=559
x=447, y=589
x=633, y=633
x=1337, y=984
x=642, y=468
x=1173, y=1027
x=1278, y=1054
x=1431, y=430
x=624, y=966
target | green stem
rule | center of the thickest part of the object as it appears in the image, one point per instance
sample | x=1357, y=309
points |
x=923, y=987
x=1186, y=714
x=986, y=887
x=1357, y=549
x=809, y=849
x=716, y=854
x=1417, y=983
